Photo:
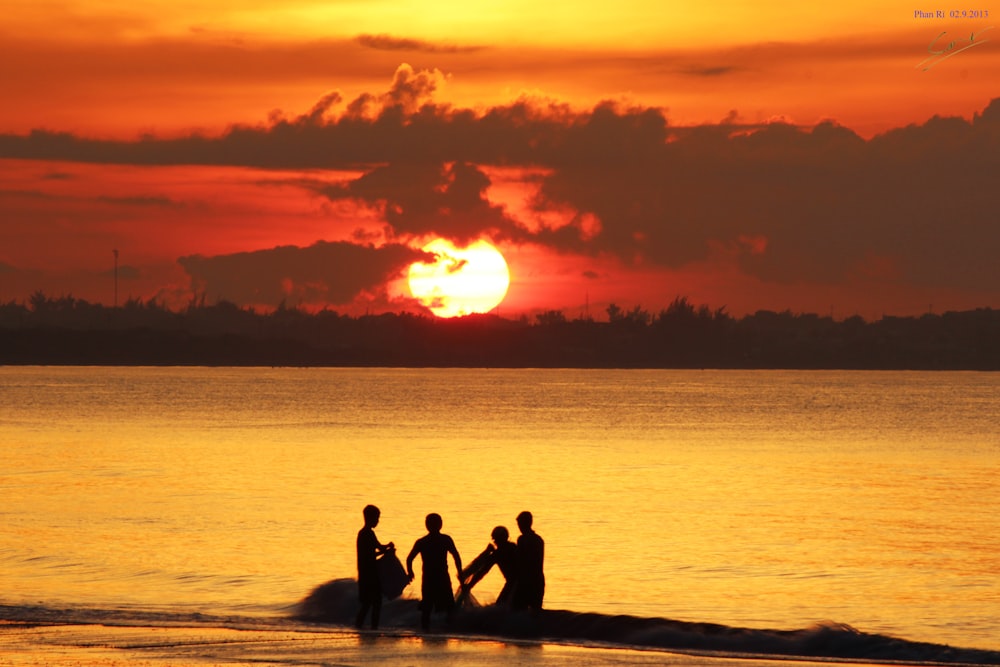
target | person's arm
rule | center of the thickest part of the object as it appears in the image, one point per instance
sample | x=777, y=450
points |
x=409, y=560
x=489, y=557
x=458, y=559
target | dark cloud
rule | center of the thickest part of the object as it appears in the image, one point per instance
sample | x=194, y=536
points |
x=124, y=272
x=323, y=273
x=324, y=104
x=27, y=194
x=788, y=204
x=390, y=43
x=411, y=89
x=800, y=205
x=164, y=202
x=420, y=199
x=709, y=71
x=140, y=201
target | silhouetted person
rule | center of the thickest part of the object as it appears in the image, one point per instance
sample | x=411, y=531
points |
x=435, y=588
x=505, y=557
x=502, y=553
x=369, y=583
x=530, y=587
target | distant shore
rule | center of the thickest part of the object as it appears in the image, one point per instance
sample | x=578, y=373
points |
x=682, y=336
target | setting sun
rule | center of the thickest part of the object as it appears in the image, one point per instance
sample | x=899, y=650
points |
x=462, y=281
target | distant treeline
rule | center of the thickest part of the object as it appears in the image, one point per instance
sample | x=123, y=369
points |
x=65, y=330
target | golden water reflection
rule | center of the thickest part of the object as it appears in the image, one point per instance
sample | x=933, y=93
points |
x=764, y=499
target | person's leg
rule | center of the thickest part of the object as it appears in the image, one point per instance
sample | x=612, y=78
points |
x=425, y=615
x=369, y=597
x=448, y=603
x=359, y=621
x=537, y=602
x=505, y=599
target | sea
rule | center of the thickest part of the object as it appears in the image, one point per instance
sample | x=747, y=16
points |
x=835, y=514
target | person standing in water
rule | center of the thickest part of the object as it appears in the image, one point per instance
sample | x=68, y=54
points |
x=369, y=583
x=530, y=587
x=502, y=553
x=435, y=589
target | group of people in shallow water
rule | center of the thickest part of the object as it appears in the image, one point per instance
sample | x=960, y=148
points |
x=521, y=563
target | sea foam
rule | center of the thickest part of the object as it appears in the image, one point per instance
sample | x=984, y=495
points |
x=335, y=602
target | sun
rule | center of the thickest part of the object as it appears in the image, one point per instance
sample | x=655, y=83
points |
x=462, y=281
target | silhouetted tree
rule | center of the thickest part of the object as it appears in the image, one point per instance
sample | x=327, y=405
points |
x=615, y=313
x=637, y=317
x=551, y=317
x=70, y=330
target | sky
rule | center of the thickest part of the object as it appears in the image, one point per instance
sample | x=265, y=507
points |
x=840, y=161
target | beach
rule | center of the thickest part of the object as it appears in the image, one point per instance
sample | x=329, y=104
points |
x=318, y=632
x=168, y=646
x=105, y=645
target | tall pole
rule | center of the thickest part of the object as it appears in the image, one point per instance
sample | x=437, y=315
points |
x=116, y=276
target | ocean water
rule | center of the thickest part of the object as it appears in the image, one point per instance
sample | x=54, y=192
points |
x=761, y=500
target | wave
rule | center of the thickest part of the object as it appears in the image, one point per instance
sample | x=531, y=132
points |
x=333, y=606
x=335, y=602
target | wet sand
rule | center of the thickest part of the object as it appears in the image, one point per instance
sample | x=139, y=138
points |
x=132, y=646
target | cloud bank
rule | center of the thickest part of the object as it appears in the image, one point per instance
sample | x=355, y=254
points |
x=786, y=204
x=322, y=273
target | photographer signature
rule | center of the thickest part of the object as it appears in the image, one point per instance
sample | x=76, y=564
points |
x=952, y=48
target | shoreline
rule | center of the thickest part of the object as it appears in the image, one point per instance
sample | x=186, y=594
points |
x=63, y=645
x=314, y=633
x=33, y=643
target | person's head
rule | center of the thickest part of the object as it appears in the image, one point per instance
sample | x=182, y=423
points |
x=500, y=535
x=433, y=522
x=524, y=520
x=371, y=514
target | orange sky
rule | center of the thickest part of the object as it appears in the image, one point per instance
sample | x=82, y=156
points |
x=198, y=137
